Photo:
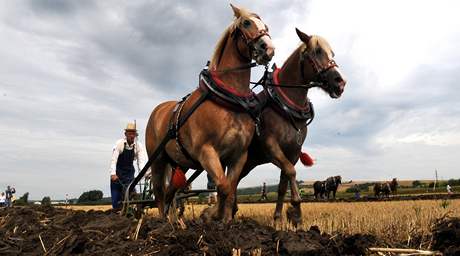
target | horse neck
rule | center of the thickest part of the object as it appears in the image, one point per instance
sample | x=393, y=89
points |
x=238, y=79
x=289, y=74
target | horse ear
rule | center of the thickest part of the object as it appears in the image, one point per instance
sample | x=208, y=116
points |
x=236, y=11
x=304, y=37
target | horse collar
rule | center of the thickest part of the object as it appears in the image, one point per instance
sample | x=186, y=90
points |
x=286, y=106
x=227, y=96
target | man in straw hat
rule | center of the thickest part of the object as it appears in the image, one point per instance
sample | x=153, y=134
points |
x=122, y=167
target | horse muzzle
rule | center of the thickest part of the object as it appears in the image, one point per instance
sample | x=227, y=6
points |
x=263, y=50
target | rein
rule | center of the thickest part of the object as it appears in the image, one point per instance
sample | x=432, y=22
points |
x=299, y=86
x=305, y=86
x=242, y=67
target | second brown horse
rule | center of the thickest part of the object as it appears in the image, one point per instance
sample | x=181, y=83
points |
x=288, y=110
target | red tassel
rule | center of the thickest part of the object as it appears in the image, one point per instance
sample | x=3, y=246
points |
x=178, y=179
x=306, y=159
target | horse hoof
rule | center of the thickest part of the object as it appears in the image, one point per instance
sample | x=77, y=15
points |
x=294, y=216
x=277, y=216
x=234, y=211
x=227, y=219
x=208, y=214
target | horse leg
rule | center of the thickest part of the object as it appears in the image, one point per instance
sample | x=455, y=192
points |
x=233, y=175
x=296, y=214
x=246, y=170
x=210, y=161
x=158, y=169
x=282, y=189
x=287, y=169
x=235, y=204
x=170, y=196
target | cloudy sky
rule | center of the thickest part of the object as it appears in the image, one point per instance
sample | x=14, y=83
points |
x=73, y=73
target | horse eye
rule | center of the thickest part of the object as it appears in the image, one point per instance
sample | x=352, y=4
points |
x=246, y=23
x=318, y=51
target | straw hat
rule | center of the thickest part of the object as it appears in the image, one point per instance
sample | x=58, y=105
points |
x=131, y=127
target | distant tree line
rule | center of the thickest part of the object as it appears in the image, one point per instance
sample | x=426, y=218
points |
x=360, y=187
x=23, y=200
x=90, y=196
x=46, y=201
x=452, y=182
x=256, y=190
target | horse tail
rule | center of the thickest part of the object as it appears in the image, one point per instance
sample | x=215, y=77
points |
x=306, y=159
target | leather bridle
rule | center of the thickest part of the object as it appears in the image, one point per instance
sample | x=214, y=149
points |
x=320, y=72
x=250, y=42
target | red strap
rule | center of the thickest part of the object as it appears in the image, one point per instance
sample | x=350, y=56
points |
x=229, y=89
x=285, y=97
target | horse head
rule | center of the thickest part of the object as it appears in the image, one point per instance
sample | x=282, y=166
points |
x=254, y=34
x=338, y=180
x=317, y=51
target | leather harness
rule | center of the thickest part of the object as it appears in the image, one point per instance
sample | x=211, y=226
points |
x=273, y=96
x=212, y=88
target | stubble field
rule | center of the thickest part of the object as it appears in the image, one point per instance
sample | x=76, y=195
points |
x=408, y=222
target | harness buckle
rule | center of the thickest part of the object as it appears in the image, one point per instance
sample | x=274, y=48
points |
x=257, y=123
x=299, y=137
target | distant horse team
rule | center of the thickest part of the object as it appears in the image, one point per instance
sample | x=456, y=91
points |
x=227, y=130
x=322, y=188
x=384, y=189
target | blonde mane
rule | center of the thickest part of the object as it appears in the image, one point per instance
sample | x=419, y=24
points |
x=315, y=42
x=220, y=46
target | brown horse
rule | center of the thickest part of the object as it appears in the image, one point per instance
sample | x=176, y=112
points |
x=215, y=137
x=332, y=184
x=288, y=110
x=384, y=189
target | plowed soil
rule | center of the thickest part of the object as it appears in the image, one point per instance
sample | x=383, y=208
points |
x=54, y=231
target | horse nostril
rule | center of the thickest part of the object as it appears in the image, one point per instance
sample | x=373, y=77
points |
x=340, y=82
x=263, y=46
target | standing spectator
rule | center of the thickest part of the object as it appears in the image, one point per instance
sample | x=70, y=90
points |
x=2, y=199
x=449, y=189
x=122, y=169
x=263, y=192
x=212, y=196
x=9, y=195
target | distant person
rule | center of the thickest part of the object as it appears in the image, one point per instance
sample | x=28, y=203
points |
x=357, y=192
x=2, y=200
x=9, y=196
x=122, y=164
x=302, y=193
x=263, y=192
x=449, y=189
x=212, y=196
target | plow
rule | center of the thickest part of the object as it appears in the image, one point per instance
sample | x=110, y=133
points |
x=135, y=204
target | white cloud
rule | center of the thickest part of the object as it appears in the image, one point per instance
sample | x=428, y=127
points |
x=73, y=75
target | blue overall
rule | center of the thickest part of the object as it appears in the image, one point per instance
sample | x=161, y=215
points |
x=125, y=172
